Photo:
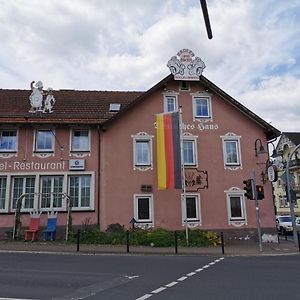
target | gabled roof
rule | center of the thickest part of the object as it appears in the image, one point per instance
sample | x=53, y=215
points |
x=71, y=106
x=92, y=107
x=292, y=139
x=270, y=131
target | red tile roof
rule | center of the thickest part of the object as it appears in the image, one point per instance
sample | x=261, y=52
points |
x=72, y=106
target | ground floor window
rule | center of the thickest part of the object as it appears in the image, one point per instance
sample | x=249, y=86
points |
x=143, y=208
x=3, y=182
x=191, y=208
x=23, y=185
x=236, y=205
x=47, y=192
x=51, y=191
x=80, y=190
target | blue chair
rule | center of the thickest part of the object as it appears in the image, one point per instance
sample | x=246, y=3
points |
x=51, y=228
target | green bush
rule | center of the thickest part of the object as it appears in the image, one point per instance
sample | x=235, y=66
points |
x=116, y=235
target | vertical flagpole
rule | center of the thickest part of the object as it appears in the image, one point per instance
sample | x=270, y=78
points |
x=183, y=177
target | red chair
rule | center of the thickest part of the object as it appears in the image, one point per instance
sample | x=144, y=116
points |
x=33, y=229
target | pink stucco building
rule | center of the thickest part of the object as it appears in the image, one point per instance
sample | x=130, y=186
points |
x=99, y=148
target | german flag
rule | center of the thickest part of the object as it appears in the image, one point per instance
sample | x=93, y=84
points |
x=168, y=151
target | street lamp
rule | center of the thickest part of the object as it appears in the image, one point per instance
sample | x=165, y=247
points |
x=289, y=198
x=261, y=149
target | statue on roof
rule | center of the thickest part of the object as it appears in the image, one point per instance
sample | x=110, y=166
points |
x=37, y=101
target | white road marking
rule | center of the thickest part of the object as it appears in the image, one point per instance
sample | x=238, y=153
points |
x=171, y=284
x=158, y=290
x=182, y=278
x=144, y=297
x=15, y=299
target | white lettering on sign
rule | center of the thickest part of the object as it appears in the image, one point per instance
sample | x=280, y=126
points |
x=199, y=126
x=32, y=166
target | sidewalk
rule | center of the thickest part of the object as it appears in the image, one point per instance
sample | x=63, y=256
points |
x=235, y=248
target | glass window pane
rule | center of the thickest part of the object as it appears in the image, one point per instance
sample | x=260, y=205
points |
x=170, y=103
x=231, y=152
x=3, y=181
x=80, y=190
x=201, y=107
x=8, y=140
x=142, y=153
x=191, y=208
x=44, y=140
x=188, y=152
x=80, y=140
x=143, y=208
x=236, y=207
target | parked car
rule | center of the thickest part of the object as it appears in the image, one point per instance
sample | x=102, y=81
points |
x=284, y=224
x=298, y=223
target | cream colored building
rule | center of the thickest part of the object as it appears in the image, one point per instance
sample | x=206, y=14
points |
x=287, y=143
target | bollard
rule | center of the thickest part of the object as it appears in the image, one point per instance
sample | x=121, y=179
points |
x=78, y=239
x=127, y=241
x=222, y=242
x=298, y=240
x=176, y=242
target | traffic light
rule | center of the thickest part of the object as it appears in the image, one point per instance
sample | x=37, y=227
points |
x=249, y=193
x=260, y=192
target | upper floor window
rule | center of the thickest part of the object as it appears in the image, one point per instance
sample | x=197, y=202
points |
x=44, y=140
x=184, y=86
x=80, y=140
x=170, y=103
x=142, y=151
x=201, y=107
x=8, y=140
x=231, y=151
x=189, y=151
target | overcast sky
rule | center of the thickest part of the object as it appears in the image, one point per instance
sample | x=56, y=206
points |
x=126, y=44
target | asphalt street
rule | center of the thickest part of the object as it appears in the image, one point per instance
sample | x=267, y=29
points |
x=140, y=277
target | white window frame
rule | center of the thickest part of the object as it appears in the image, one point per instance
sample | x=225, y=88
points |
x=72, y=131
x=144, y=137
x=50, y=150
x=192, y=139
x=209, y=109
x=236, y=192
x=16, y=137
x=172, y=95
x=5, y=192
x=51, y=193
x=185, y=220
x=92, y=187
x=231, y=137
x=150, y=221
x=24, y=177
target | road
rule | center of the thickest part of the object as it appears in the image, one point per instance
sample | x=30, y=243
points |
x=140, y=277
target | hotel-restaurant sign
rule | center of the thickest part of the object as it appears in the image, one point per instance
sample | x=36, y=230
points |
x=186, y=66
x=32, y=166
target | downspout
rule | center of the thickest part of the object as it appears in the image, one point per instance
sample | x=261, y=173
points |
x=98, y=183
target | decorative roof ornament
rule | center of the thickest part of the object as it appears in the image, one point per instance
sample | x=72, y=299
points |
x=186, y=66
x=38, y=104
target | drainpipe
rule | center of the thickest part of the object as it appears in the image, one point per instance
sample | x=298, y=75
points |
x=98, y=181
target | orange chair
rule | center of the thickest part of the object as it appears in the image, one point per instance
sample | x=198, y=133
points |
x=33, y=229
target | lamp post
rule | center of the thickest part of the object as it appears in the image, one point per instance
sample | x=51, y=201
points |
x=289, y=198
x=259, y=151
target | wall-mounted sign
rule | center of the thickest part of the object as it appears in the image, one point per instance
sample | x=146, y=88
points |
x=272, y=173
x=76, y=164
x=32, y=166
x=186, y=66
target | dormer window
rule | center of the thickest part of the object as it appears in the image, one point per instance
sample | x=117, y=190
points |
x=114, y=107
